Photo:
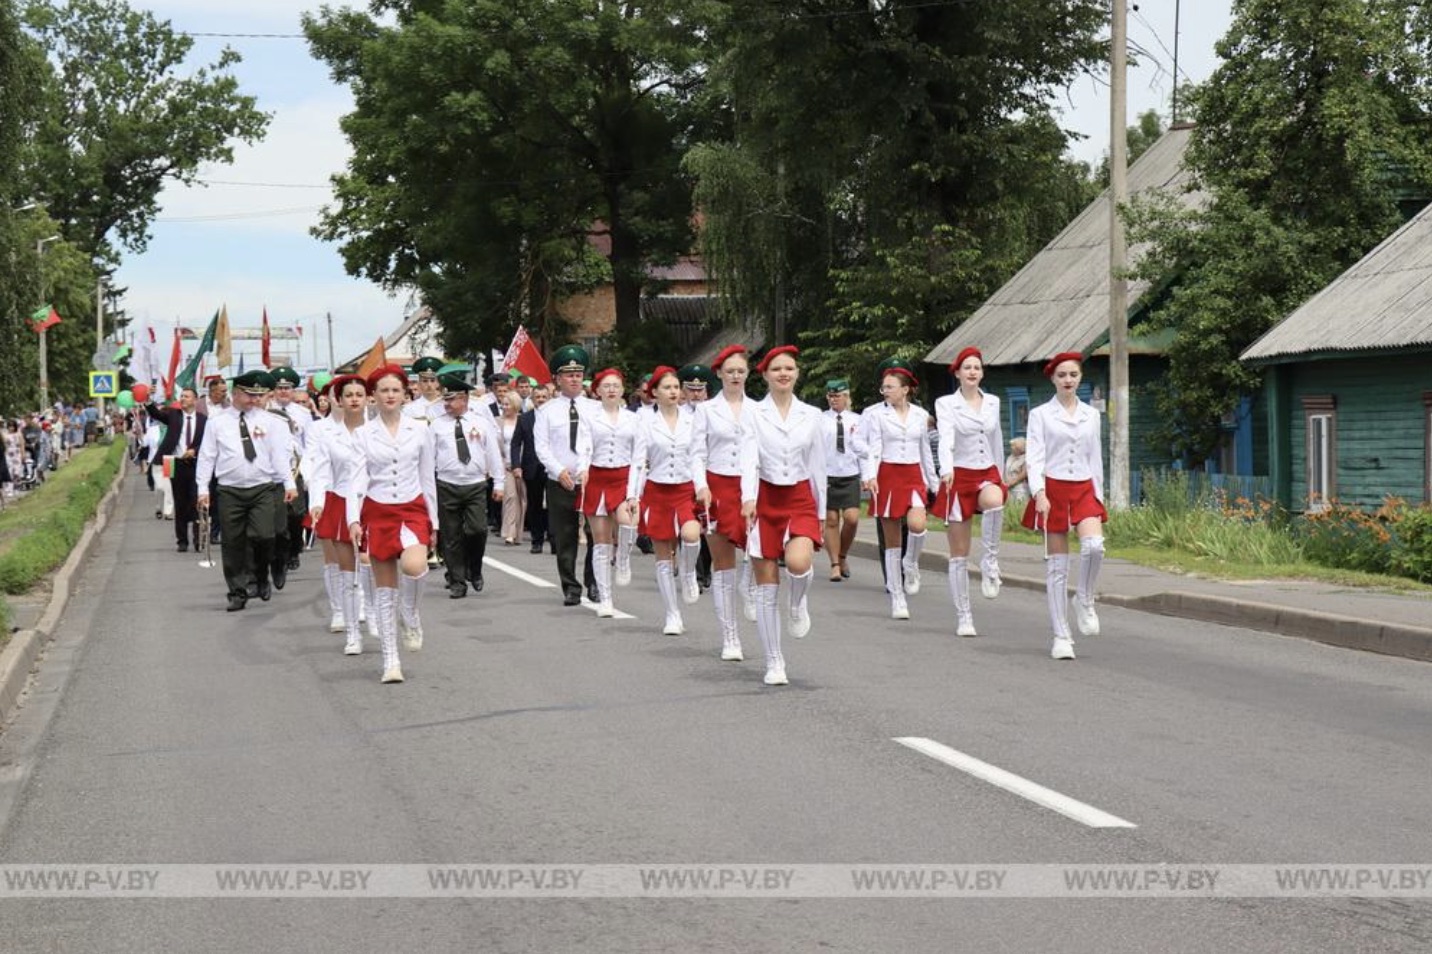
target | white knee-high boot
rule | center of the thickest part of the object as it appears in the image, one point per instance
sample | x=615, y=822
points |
x=411, y=588
x=800, y=611
x=723, y=595
x=666, y=585
x=768, y=624
x=626, y=539
x=991, y=526
x=332, y=585
x=895, y=584
x=348, y=585
x=386, y=609
x=602, y=570
x=1056, y=587
x=369, y=592
x=748, y=589
x=914, y=546
x=1091, y=558
x=690, y=589
x=960, y=593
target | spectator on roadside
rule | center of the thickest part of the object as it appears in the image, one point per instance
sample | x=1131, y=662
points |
x=1016, y=474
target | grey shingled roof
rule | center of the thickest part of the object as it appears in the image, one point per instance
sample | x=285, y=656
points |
x=1059, y=301
x=1383, y=302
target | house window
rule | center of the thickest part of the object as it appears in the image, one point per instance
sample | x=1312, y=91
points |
x=1320, y=416
x=1017, y=400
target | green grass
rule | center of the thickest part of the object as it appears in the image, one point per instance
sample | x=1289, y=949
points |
x=38, y=532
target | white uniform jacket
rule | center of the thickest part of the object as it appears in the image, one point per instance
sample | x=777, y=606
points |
x=484, y=447
x=221, y=454
x=784, y=452
x=551, y=436
x=1063, y=447
x=668, y=457
x=891, y=441
x=847, y=464
x=422, y=409
x=397, y=467
x=331, y=462
x=299, y=419
x=618, y=443
x=969, y=439
x=718, y=439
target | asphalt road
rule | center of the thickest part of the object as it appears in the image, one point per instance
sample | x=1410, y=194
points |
x=163, y=730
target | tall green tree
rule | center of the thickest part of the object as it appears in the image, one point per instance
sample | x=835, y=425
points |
x=495, y=139
x=1310, y=133
x=887, y=165
x=124, y=115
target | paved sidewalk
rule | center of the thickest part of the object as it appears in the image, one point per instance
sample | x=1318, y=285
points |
x=1392, y=623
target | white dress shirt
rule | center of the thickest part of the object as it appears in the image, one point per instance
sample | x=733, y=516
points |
x=422, y=409
x=891, y=440
x=1063, y=446
x=718, y=439
x=668, y=458
x=969, y=439
x=551, y=435
x=221, y=454
x=845, y=464
x=484, y=445
x=331, y=461
x=398, y=467
x=784, y=451
x=619, y=442
x=298, y=418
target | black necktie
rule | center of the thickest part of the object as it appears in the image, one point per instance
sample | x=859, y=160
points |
x=250, y=454
x=572, y=419
x=839, y=434
x=463, y=453
x=188, y=433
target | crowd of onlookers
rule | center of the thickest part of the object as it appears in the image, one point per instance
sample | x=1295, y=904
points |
x=36, y=444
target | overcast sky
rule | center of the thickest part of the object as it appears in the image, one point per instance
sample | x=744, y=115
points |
x=243, y=240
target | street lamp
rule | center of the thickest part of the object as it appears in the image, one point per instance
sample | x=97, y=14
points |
x=44, y=332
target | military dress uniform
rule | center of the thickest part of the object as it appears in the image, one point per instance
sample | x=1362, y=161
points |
x=468, y=455
x=425, y=406
x=248, y=453
x=562, y=437
x=288, y=540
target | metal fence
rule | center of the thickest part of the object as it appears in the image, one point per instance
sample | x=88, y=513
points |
x=1202, y=485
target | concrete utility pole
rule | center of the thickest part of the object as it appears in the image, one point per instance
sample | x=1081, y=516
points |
x=99, y=331
x=1118, y=260
x=44, y=332
x=331, y=365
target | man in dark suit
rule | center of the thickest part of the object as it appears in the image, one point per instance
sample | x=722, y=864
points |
x=530, y=470
x=184, y=432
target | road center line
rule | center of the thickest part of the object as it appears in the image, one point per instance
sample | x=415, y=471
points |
x=537, y=581
x=1023, y=787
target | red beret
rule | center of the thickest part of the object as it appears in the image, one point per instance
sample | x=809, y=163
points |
x=661, y=371
x=336, y=386
x=960, y=358
x=383, y=372
x=1059, y=359
x=776, y=352
x=905, y=373
x=606, y=373
x=727, y=352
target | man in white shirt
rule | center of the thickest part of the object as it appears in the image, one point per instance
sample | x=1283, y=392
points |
x=289, y=543
x=467, y=453
x=428, y=403
x=563, y=441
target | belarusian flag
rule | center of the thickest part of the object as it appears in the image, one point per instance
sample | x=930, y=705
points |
x=45, y=317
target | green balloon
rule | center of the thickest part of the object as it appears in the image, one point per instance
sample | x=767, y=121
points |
x=321, y=379
x=125, y=399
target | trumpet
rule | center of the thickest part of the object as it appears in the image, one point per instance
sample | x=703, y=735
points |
x=206, y=548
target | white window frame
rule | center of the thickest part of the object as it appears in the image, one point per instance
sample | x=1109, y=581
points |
x=1320, y=420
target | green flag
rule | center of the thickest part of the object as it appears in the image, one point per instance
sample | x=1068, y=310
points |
x=206, y=344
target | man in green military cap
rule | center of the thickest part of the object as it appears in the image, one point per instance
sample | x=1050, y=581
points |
x=845, y=448
x=429, y=402
x=562, y=437
x=248, y=452
x=698, y=383
x=470, y=463
x=288, y=538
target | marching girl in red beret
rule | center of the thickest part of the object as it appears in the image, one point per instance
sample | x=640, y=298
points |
x=971, y=449
x=717, y=446
x=661, y=488
x=392, y=512
x=330, y=463
x=618, y=438
x=783, y=500
x=1066, y=477
x=899, y=472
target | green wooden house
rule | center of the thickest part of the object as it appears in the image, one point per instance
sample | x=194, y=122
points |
x=1348, y=381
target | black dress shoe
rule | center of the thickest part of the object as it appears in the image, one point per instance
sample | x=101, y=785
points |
x=476, y=582
x=252, y=592
x=237, y=601
x=183, y=547
x=293, y=563
x=536, y=548
x=265, y=591
x=592, y=595
x=573, y=599
x=457, y=591
x=280, y=575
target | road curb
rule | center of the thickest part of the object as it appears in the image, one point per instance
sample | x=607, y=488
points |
x=1389, y=639
x=18, y=658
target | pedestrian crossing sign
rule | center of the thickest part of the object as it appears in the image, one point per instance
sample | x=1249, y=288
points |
x=104, y=384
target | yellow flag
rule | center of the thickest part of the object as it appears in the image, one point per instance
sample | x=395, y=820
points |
x=225, y=351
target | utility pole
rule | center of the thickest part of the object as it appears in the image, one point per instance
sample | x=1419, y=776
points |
x=44, y=332
x=99, y=332
x=1118, y=256
x=331, y=365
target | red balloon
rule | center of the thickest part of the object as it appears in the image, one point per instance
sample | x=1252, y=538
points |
x=140, y=392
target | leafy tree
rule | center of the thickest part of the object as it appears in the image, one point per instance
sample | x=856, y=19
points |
x=1308, y=133
x=121, y=120
x=1143, y=134
x=493, y=139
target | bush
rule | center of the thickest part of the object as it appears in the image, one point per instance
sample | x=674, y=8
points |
x=1412, y=543
x=1347, y=538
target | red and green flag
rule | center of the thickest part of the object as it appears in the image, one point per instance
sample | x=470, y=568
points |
x=45, y=317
